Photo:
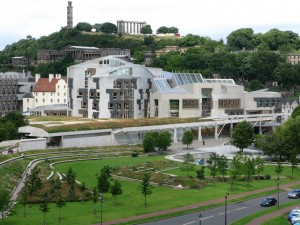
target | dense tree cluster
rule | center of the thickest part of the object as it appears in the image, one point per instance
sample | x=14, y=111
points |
x=161, y=141
x=252, y=59
x=9, y=125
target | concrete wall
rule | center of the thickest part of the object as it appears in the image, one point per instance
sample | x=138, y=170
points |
x=32, y=144
x=86, y=140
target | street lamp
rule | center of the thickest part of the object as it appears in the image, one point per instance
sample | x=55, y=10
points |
x=226, y=207
x=101, y=200
x=200, y=218
x=277, y=192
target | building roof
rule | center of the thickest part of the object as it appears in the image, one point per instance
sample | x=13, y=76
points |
x=188, y=78
x=82, y=47
x=28, y=95
x=43, y=85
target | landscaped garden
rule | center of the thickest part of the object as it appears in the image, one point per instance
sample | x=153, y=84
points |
x=131, y=201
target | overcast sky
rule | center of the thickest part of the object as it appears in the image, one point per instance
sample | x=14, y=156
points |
x=212, y=18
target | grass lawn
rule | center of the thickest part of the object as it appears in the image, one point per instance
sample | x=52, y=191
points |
x=131, y=202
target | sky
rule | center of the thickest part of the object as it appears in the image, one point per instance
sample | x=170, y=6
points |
x=209, y=18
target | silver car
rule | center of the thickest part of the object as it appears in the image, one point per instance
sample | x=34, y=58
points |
x=294, y=193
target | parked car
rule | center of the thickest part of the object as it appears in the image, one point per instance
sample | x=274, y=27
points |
x=294, y=193
x=292, y=215
x=295, y=219
x=269, y=201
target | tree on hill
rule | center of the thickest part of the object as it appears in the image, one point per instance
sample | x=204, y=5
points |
x=242, y=135
x=108, y=28
x=146, y=29
x=162, y=30
x=83, y=26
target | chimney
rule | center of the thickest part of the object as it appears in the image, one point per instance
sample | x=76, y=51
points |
x=37, y=77
x=58, y=76
x=51, y=76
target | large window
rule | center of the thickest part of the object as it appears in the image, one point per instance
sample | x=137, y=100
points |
x=174, y=104
x=190, y=104
x=229, y=103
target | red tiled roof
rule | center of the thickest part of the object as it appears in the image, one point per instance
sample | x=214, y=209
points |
x=43, y=85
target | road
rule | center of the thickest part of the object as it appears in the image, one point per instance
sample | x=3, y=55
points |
x=216, y=216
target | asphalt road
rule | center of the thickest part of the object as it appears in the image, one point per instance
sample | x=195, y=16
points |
x=216, y=216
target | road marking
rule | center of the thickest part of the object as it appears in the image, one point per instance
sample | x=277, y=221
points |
x=240, y=208
x=189, y=223
x=205, y=218
x=223, y=213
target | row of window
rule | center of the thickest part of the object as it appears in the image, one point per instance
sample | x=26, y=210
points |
x=52, y=93
x=51, y=100
x=229, y=103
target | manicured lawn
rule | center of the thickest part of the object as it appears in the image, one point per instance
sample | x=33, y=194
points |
x=131, y=202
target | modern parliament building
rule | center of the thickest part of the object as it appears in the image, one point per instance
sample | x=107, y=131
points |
x=110, y=87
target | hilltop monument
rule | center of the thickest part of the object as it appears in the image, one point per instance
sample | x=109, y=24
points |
x=70, y=15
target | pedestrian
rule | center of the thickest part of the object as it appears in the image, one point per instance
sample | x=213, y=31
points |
x=203, y=142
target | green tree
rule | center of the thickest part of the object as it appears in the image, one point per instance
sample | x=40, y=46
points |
x=248, y=168
x=188, y=163
x=82, y=189
x=149, y=142
x=146, y=29
x=242, y=135
x=146, y=187
x=83, y=26
x=44, y=208
x=33, y=183
x=212, y=164
x=163, y=141
x=259, y=165
x=235, y=169
x=241, y=38
x=187, y=138
x=23, y=201
x=108, y=28
x=116, y=190
x=162, y=30
x=59, y=204
x=222, y=165
x=5, y=203
x=173, y=30
x=71, y=176
x=201, y=173
x=103, y=179
x=95, y=197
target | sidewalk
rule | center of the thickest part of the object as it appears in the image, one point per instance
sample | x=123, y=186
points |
x=215, y=201
x=269, y=216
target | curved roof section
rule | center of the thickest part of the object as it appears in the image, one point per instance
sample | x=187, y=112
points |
x=161, y=84
x=114, y=66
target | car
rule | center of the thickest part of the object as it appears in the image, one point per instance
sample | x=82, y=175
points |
x=295, y=219
x=269, y=201
x=294, y=193
x=292, y=215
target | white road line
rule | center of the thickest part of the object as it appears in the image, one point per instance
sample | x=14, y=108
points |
x=223, y=213
x=205, y=218
x=189, y=223
x=240, y=208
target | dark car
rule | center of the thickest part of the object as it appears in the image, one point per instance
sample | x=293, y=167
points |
x=269, y=201
x=294, y=193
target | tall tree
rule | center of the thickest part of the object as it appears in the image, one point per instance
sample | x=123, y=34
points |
x=212, y=164
x=83, y=26
x=44, y=208
x=242, y=135
x=241, y=38
x=82, y=189
x=248, y=168
x=163, y=141
x=59, y=204
x=33, y=183
x=149, y=142
x=103, y=179
x=146, y=187
x=235, y=169
x=116, y=190
x=5, y=203
x=70, y=176
x=222, y=165
x=187, y=138
x=188, y=163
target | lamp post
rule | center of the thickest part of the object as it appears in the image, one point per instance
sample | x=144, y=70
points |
x=101, y=200
x=200, y=218
x=226, y=207
x=277, y=192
